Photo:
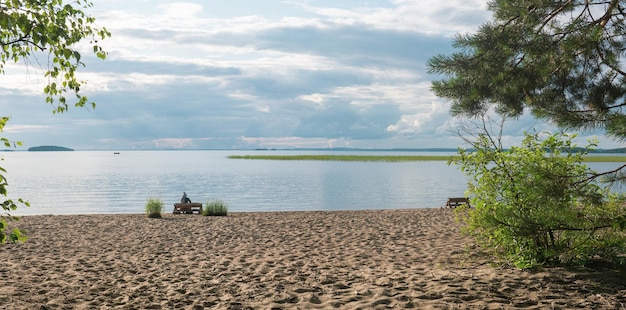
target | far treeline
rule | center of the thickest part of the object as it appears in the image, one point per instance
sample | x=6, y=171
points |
x=394, y=158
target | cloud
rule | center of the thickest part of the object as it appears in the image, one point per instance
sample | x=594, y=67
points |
x=171, y=143
x=428, y=16
x=247, y=74
x=17, y=129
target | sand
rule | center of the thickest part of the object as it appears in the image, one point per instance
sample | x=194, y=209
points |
x=278, y=260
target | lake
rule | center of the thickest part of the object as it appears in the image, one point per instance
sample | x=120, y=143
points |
x=90, y=182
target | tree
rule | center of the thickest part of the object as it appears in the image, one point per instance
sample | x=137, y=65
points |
x=31, y=28
x=537, y=203
x=562, y=60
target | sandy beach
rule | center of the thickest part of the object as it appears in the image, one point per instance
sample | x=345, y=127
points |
x=279, y=260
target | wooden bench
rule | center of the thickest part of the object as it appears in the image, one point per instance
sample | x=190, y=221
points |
x=188, y=208
x=455, y=202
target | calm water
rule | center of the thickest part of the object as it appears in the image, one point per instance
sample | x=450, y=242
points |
x=101, y=182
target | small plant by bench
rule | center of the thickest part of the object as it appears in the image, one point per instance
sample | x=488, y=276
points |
x=154, y=206
x=215, y=207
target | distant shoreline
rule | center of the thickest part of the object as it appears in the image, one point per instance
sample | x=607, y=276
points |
x=269, y=150
x=392, y=158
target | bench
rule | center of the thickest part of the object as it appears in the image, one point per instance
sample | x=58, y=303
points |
x=455, y=202
x=188, y=208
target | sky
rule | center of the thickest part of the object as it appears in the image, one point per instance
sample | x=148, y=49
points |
x=246, y=74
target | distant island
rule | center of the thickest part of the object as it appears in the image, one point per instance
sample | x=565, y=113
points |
x=48, y=148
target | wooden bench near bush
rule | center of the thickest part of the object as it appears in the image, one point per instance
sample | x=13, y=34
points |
x=188, y=208
x=455, y=202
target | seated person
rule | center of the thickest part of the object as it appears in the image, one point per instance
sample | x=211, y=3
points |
x=185, y=199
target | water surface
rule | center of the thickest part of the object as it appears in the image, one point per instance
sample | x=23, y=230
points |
x=89, y=182
x=86, y=182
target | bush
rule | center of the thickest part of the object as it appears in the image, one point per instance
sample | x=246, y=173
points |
x=215, y=207
x=154, y=207
x=534, y=205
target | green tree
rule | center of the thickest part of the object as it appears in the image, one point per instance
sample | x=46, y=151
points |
x=537, y=203
x=50, y=28
x=562, y=60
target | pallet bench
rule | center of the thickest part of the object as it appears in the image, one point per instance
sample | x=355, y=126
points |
x=188, y=208
x=455, y=202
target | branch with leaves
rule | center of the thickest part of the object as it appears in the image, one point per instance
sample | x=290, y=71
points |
x=52, y=27
x=554, y=58
x=29, y=28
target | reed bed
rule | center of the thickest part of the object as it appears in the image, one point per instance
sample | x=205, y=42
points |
x=605, y=159
x=385, y=158
x=393, y=158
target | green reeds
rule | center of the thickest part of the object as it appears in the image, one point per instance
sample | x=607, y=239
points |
x=154, y=207
x=395, y=158
x=604, y=159
x=383, y=158
x=215, y=207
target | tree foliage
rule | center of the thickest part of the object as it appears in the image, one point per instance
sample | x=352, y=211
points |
x=49, y=28
x=28, y=27
x=561, y=59
x=8, y=205
x=537, y=203
x=564, y=62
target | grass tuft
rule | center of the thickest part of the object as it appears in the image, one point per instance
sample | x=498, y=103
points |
x=154, y=207
x=215, y=207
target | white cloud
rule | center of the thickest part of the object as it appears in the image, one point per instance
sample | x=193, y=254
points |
x=427, y=16
x=295, y=142
x=172, y=143
x=270, y=73
x=315, y=98
x=432, y=120
x=24, y=128
x=183, y=10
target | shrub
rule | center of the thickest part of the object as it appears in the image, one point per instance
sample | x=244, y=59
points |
x=535, y=205
x=154, y=207
x=215, y=207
